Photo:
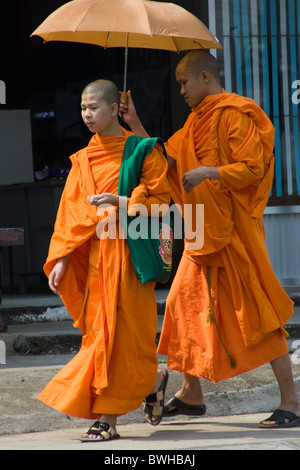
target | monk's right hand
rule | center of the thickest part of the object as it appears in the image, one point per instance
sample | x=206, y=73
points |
x=56, y=275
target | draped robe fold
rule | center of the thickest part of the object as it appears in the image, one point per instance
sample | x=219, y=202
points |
x=116, y=366
x=249, y=304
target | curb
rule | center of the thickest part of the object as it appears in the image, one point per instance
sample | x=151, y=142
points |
x=49, y=330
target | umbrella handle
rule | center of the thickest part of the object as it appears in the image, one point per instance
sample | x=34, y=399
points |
x=124, y=97
x=123, y=93
x=125, y=65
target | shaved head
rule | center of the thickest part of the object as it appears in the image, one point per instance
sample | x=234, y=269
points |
x=100, y=102
x=198, y=76
x=109, y=91
x=198, y=61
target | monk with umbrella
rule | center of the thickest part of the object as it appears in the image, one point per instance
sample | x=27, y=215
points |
x=226, y=310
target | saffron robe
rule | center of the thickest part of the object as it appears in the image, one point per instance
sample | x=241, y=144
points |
x=116, y=366
x=249, y=305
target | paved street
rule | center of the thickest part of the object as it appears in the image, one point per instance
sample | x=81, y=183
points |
x=234, y=407
x=213, y=433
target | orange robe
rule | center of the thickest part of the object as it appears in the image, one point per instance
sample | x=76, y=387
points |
x=249, y=305
x=116, y=366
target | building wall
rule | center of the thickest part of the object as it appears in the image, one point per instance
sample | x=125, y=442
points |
x=47, y=80
x=261, y=60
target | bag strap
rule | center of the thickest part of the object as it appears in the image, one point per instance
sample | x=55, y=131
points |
x=135, y=151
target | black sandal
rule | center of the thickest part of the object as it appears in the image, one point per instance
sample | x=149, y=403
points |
x=103, y=431
x=159, y=396
x=279, y=417
x=181, y=408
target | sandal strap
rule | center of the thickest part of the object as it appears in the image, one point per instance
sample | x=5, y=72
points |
x=279, y=416
x=153, y=397
x=159, y=398
x=153, y=410
x=101, y=429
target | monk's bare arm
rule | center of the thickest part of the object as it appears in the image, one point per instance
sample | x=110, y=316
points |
x=193, y=178
x=171, y=162
x=129, y=115
x=108, y=199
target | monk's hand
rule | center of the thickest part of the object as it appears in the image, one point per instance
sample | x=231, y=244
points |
x=129, y=115
x=57, y=274
x=104, y=199
x=193, y=178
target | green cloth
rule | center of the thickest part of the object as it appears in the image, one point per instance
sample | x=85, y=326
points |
x=147, y=261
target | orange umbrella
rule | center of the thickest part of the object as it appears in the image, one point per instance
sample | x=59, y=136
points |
x=127, y=23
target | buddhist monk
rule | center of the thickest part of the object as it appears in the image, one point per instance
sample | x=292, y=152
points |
x=226, y=311
x=116, y=367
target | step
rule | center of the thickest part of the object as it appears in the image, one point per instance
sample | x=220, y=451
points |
x=23, y=309
x=44, y=330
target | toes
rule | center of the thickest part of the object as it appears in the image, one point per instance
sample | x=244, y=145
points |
x=152, y=418
x=90, y=436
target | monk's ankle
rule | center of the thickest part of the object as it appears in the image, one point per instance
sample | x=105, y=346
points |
x=109, y=419
x=190, y=397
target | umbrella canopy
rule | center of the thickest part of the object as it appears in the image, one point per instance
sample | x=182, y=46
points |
x=136, y=23
x=127, y=23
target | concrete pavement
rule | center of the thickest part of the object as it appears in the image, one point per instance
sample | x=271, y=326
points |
x=177, y=438
x=234, y=406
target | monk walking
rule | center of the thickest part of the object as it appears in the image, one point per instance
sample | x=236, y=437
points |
x=116, y=367
x=226, y=311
